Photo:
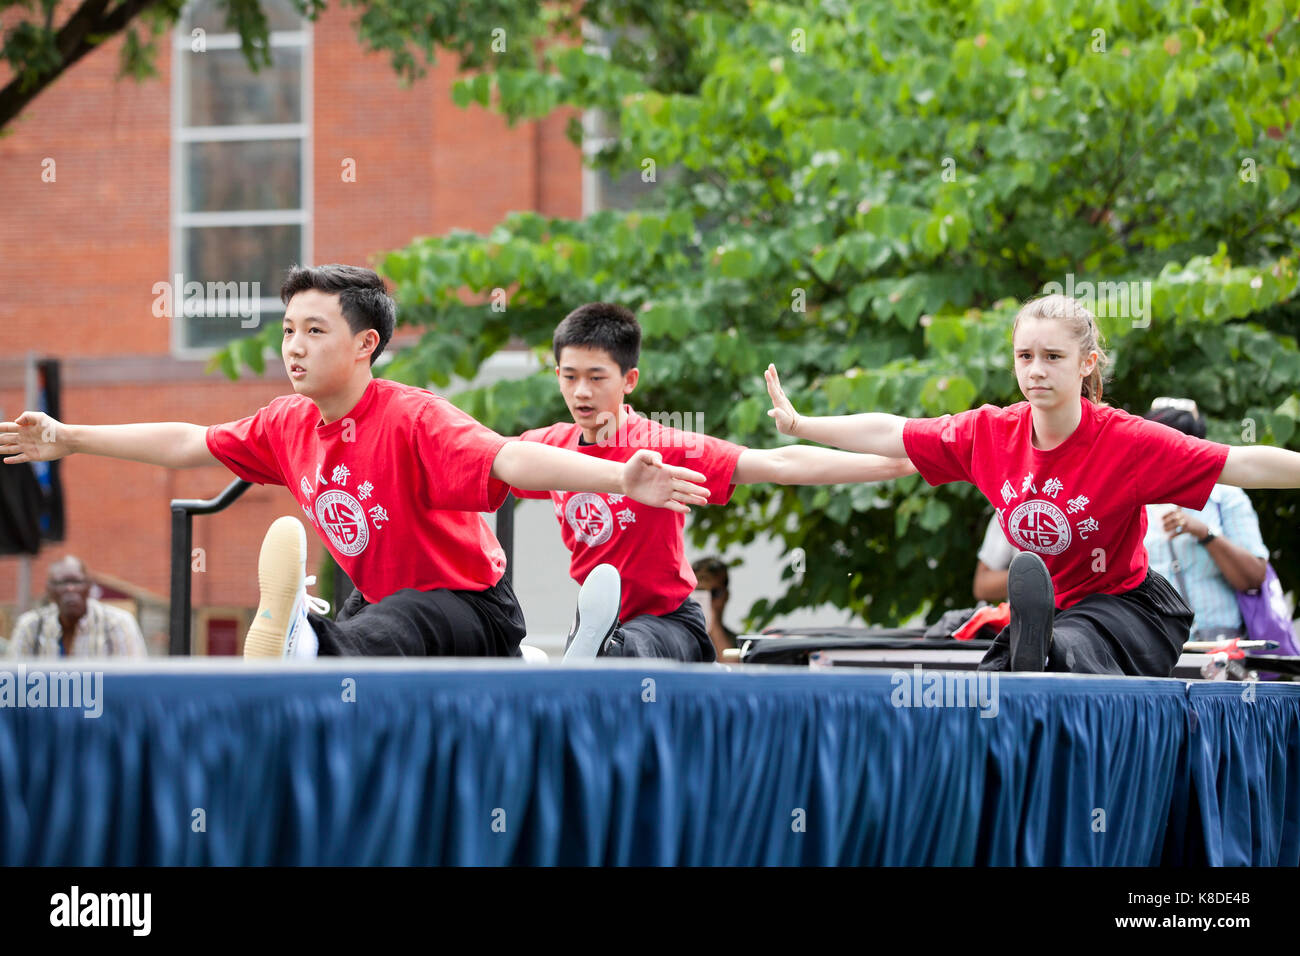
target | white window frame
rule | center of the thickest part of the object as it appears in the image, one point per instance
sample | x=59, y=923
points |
x=181, y=135
x=591, y=145
x=596, y=42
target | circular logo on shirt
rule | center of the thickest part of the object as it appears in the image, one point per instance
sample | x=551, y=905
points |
x=344, y=521
x=590, y=518
x=1039, y=526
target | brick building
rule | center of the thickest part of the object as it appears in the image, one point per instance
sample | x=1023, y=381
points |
x=109, y=187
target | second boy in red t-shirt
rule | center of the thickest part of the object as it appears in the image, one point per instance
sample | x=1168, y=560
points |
x=597, y=348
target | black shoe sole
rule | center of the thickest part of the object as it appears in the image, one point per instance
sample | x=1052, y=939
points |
x=1032, y=598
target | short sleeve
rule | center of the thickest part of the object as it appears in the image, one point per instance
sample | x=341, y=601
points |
x=1240, y=524
x=459, y=452
x=714, y=458
x=247, y=449
x=996, y=552
x=1169, y=466
x=942, y=448
x=23, y=641
x=125, y=637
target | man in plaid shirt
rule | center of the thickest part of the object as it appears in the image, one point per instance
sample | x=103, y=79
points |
x=1211, y=554
x=74, y=624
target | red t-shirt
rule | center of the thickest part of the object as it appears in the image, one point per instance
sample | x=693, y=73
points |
x=645, y=544
x=1080, y=505
x=394, y=487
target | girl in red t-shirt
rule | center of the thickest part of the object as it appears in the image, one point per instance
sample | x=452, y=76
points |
x=1069, y=478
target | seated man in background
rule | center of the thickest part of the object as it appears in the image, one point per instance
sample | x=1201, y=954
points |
x=1208, y=555
x=74, y=624
x=991, y=570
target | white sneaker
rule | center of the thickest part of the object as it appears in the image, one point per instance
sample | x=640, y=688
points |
x=533, y=655
x=597, y=614
x=281, y=627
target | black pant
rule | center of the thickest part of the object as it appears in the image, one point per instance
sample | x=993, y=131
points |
x=680, y=635
x=410, y=623
x=1139, y=633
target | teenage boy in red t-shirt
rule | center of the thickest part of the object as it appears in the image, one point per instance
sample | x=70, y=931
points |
x=615, y=540
x=391, y=476
x=1069, y=478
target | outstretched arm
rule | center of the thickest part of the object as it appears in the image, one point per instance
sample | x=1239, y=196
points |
x=1261, y=466
x=873, y=432
x=537, y=467
x=36, y=436
x=806, y=465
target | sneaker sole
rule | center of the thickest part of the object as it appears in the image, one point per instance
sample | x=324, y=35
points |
x=598, y=606
x=1029, y=589
x=281, y=565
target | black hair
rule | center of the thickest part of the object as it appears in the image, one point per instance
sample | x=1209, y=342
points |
x=1178, y=418
x=602, y=325
x=363, y=297
x=713, y=566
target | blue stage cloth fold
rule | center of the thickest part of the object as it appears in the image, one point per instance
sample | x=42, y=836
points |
x=482, y=764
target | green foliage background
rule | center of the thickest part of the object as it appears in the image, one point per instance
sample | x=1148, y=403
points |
x=907, y=172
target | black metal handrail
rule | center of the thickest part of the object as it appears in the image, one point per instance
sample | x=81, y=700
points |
x=183, y=512
x=506, y=535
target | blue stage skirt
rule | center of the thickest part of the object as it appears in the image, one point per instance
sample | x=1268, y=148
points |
x=486, y=763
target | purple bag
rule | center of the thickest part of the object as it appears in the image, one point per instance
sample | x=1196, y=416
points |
x=1264, y=612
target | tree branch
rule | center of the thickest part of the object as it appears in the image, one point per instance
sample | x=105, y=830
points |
x=1270, y=221
x=85, y=30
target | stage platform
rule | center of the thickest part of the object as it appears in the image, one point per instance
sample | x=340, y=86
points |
x=481, y=762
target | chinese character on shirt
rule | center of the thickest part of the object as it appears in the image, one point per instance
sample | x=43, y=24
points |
x=625, y=517
x=1028, y=485
x=341, y=474
x=1052, y=487
x=1088, y=524
x=364, y=489
x=1078, y=504
x=1007, y=492
x=378, y=515
x=615, y=499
